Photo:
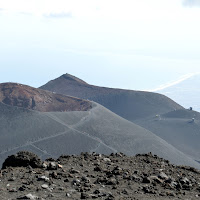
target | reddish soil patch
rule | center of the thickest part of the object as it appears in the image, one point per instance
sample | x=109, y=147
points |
x=19, y=95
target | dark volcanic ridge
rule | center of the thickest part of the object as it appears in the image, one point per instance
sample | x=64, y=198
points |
x=19, y=95
x=97, y=176
x=128, y=104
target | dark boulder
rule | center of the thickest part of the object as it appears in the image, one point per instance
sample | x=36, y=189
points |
x=23, y=159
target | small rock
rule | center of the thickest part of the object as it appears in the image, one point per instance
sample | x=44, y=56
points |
x=117, y=171
x=111, y=181
x=107, y=159
x=12, y=179
x=146, y=180
x=43, y=178
x=135, y=178
x=28, y=196
x=60, y=166
x=52, y=166
x=68, y=195
x=45, y=186
x=84, y=195
x=22, y=188
x=172, y=194
x=97, y=169
x=146, y=189
x=13, y=190
x=174, y=184
x=44, y=165
x=97, y=191
x=74, y=171
x=156, y=179
x=54, y=175
x=125, y=192
x=184, y=181
x=85, y=179
x=50, y=195
x=61, y=188
x=76, y=182
x=162, y=175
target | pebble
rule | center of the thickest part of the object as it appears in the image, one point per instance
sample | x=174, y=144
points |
x=162, y=175
x=107, y=159
x=45, y=186
x=43, y=178
x=52, y=166
x=29, y=196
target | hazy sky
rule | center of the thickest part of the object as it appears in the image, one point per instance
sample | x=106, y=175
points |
x=134, y=44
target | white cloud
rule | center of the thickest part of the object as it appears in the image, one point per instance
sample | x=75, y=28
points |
x=107, y=9
x=59, y=15
x=191, y=3
x=181, y=79
x=56, y=8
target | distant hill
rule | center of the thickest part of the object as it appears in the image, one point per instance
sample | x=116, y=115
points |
x=129, y=104
x=181, y=128
x=15, y=94
x=185, y=92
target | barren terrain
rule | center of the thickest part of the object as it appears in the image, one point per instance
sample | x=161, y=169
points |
x=96, y=176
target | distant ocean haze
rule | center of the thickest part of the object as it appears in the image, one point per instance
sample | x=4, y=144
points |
x=185, y=92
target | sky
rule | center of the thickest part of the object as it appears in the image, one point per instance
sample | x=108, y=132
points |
x=131, y=44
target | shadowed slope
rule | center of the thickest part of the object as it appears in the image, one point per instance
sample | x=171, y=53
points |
x=128, y=104
x=36, y=99
x=181, y=128
x=97, y=130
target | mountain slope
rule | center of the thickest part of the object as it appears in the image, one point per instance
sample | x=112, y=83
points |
x=181, y=128
x=128, y=104
x=23, y=129
x=50, y=134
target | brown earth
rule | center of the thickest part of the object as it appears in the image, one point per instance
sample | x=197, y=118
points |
x=96, y=176
x=19, y=95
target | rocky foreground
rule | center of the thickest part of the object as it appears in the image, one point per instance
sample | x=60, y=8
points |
x=96, y=176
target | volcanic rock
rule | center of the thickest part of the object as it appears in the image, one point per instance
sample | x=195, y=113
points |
x=23, y=159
